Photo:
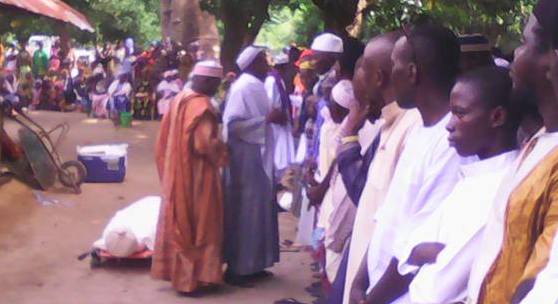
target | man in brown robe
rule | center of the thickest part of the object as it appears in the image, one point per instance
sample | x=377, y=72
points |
x=189, y=152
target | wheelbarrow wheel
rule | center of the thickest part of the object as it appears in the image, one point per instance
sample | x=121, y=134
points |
x=72, y=174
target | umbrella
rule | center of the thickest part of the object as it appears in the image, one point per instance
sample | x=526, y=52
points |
x=53, y=8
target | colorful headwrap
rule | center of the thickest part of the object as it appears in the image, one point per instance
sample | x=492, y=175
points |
x=305, y=61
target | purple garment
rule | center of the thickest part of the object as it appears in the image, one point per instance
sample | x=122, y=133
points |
x=285, y=99
x=353, y=168
x=338, y=287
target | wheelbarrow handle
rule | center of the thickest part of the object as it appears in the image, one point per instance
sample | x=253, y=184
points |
x=63, y=128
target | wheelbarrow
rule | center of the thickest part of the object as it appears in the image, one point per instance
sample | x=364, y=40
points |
x=41, y=157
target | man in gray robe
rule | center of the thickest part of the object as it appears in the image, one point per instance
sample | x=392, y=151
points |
x=251, y=226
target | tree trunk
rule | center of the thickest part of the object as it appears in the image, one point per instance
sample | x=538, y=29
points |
x=337, y=14
x=241, y=29
x=235, y=35
x=184, y=21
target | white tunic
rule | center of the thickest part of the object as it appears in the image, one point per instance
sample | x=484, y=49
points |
x=248, y=102
x=493, y=234
x=283, y=135
x=425, y=174
x=545, y=290
x=394, y=133
x=458, y=224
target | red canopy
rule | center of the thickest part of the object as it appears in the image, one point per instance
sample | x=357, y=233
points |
x=55, y=9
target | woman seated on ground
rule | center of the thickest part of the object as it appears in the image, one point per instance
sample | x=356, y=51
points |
x=120, y=96
x=99, y=97
x=167, y=89
x=49, y=100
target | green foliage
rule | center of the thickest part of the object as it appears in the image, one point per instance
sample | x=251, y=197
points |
x=291, y=24
x=500, y=20
x=112, y=20
x=126, y=18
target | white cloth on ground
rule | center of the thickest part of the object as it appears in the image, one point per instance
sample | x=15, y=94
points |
x=140, y=218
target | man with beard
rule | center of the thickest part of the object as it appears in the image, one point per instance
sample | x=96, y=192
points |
x=425, y=65
x=519, y=234
x=367, y=176
x=440, y=252
x=189, y=156
x=251, y=227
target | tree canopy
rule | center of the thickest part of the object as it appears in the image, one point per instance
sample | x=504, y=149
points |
x=500, y=20
x=112, y=20
x=280, y=22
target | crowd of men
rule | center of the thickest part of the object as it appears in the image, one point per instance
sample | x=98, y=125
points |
x=421, y=166
x=115, y=78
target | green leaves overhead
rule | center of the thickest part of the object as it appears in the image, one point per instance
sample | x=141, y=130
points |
x=113, y=20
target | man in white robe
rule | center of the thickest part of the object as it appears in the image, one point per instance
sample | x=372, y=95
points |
x=427, y=170
x=368, y=175
x=275, y=87
x=440, y=252
x=251, y=228
x=524, y=195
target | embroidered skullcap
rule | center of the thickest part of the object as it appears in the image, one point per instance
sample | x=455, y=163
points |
x=209, y=68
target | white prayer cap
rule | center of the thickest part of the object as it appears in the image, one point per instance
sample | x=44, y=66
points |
x=327, y=42
x=343, y=94
x=501, y=62
x=248, y=55
x=209, y=68
x=121, y=242
x=170, y=73
x=281, y=59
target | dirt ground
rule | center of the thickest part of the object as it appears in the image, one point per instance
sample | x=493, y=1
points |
x=39, y=244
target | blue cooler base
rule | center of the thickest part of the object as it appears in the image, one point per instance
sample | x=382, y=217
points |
x=104, y=171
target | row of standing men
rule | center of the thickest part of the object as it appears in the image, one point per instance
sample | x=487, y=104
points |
x=436, y=203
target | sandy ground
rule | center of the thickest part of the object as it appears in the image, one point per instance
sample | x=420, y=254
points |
x=39, y=245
